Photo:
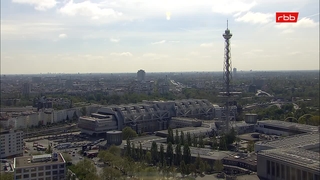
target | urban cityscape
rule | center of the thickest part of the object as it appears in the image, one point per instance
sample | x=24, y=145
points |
x=234, y=123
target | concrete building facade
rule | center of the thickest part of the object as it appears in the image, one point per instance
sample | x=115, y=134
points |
x=292, y=158
x=11, y=143
x=40, y=167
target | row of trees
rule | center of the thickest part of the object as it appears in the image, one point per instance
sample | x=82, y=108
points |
x=303, y=115
x=176, y=155
x=182, y=140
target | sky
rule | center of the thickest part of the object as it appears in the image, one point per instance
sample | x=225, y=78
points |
x=111, y=36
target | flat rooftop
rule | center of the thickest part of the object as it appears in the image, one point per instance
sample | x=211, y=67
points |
x=185, y=119
x=300, y=150
x=191, y=130
x=108, y=118
x=300, y=140
x=3, y=131
x=287, y=125
x=23, y=162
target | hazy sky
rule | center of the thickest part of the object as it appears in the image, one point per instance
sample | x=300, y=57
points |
x=71, y=36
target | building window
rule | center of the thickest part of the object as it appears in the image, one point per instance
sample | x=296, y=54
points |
x=277, y=170
x=48, y=173
x=272, y=168
x=61, y=172
x=18, y=177
x=304, y=175
x=288, y=172
x=298, y=174
x=54, y=172
x=34, y=175
x=40, y=174
x=310, y=176
x=18, y=171
x=54, y=167
x=48, y=167
x=40, y=168
x=48, y=178
x=293, y=173
x=282, y=171
x=25, y=176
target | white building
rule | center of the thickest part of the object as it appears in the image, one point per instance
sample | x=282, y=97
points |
x=40, y=167
x=11, y=143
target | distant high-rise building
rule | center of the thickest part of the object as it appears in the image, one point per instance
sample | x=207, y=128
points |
x=141, y=74
x=234, y=72
x=26, y=89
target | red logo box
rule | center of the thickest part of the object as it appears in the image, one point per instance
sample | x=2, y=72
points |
x=287, y=17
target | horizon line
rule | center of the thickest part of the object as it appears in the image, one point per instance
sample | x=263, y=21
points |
x=61, y=73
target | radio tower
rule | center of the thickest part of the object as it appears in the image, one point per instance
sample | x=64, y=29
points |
x=227, y=72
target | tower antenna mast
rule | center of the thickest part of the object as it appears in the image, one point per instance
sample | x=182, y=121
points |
x=227, y=73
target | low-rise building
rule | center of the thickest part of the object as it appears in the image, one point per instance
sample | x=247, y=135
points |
x=40, y=167
x=294, y=157
x=11, y=143
x=283, y=128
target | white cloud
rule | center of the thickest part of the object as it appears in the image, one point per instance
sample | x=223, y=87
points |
x=206, y=44
x=18, y=29
x=302, y=23
x=114, y=40
x=154, y=56
x=287, y=31
x=121, y=54
x=256, y=18
x=232, y=6
x=62, y=36
x=89, y=9
x=93, y=57
x=175, y=41
x=159, y=42
x=40, y=5
x=253, y=52
x=295, y=53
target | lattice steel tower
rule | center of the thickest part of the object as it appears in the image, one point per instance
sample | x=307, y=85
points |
x=227, y=72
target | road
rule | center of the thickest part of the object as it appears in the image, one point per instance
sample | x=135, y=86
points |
x=260, y=92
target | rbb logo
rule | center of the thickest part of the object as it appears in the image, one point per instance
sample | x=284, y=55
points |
x=287, y=17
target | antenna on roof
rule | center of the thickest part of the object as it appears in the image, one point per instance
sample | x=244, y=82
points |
x=227, y=23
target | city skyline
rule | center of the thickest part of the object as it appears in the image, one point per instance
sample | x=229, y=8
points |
x=118, y=36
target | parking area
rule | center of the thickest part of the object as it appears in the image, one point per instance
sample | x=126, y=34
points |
x=68, y=143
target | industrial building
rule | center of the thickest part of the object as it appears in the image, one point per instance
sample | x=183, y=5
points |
x=283, y=128
x=11, y=143
x=148, y=116
x=40, y=167
x=178, y=122
x=292, y=158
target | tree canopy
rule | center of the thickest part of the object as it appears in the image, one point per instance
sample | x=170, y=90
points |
x=128, y=133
